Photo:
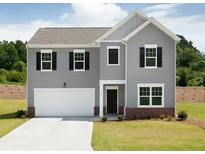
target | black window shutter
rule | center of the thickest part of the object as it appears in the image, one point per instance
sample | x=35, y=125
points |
x=159, y=56
x=87, y=60
x=70, y=60
x=54, y=60
x=38, y=60
x=142, y=56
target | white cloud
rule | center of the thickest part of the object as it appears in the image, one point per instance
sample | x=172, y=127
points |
x=12, y=32
x=81, y=15
x=190, y=26
x=94, y=15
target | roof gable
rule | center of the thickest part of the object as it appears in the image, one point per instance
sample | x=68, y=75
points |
x=125, y=20
x=157, y=24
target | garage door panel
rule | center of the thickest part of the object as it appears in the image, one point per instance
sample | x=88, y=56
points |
x=64, y=102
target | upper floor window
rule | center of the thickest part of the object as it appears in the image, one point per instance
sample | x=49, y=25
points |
x=150, y=56
x=79, y=59
x=46, y=60
x=150, y=95
x=113, y=55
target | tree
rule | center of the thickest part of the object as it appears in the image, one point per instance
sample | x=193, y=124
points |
x=182, y=78
x=11, y=56
x=21, y=50
x=2, y=56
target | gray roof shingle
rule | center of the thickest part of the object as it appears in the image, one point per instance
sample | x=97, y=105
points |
x=75, y=35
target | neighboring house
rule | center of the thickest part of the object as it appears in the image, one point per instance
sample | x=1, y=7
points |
x=84, y=71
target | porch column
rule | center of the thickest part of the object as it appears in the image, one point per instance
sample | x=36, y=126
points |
x=101, y=100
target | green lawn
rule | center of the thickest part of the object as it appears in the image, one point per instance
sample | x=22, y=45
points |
x=195, y=110
x=8, y=120
x=147, y=135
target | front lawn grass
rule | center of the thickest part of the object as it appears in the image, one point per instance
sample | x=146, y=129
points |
x=8, y=120
x=147, y=135
x=194, y=110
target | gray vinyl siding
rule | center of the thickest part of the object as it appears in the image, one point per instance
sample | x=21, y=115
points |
x=111, y=72
x=55, y=79
x=166, y=74
x=127, y=28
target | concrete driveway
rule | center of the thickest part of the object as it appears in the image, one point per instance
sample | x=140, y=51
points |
x=73, y=133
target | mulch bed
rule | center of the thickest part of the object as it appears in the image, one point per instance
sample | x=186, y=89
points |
x=12, y=92
x=199, y=123
x=190, y=94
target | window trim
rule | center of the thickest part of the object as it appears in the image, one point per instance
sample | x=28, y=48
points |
x=147, y=46
x=46, y=51
x=150, y=85
x=113, y=47
x=78, y=51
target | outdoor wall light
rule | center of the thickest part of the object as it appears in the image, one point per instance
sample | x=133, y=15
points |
x=64, y=85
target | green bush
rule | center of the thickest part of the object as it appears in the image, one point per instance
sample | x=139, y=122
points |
x=3, y=72
x=120, y=117
x=19, y=66
x=21, y=113
x=182, y=115
x=3, y=79
x=104, y=119
x=14, y=76
x=169, y=118
x=197, y=81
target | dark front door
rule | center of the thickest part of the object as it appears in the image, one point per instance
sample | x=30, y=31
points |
x=111, y=101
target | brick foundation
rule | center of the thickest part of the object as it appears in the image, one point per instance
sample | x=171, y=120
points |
x=31, y=111
x=97, y=110
x=142, y=113
x=121, y=110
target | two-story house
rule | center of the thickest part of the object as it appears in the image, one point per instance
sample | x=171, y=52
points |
x=85, y=71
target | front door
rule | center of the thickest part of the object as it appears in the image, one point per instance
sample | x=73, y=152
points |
x=111, y=101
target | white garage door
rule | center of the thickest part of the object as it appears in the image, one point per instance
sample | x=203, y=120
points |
x=64, y=101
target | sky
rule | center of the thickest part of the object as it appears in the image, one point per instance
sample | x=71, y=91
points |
x=20, y=21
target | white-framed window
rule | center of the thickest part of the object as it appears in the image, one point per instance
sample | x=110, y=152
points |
x=46, y=60
x=79, y=60
x=150, y=55
x=113, y=55
x=150, y=95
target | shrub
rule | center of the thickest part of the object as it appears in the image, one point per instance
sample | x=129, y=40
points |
x=182, y=115
x=3, y=72
x=19, y=66
x=162, y=116
x=104, y=119
x=2, y=79
x=120, y=117
x=197, y=81
x=15, y=76
x=21, y=113
x=169, y=118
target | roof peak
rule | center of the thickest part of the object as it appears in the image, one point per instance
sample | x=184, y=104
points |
x=74, y=27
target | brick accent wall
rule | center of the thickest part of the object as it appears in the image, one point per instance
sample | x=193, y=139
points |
x=121, y=110
x=141, y=113
x=31, y=111
x=96, y=110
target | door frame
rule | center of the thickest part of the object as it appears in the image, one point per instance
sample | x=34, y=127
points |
x=112, y=88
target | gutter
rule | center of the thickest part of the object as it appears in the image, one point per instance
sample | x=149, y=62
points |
x=125, y=43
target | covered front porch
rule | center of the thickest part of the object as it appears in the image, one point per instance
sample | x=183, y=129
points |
x=111, y=97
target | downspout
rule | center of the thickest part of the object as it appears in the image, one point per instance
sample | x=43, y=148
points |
x=175, y=78
x=125, y=43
